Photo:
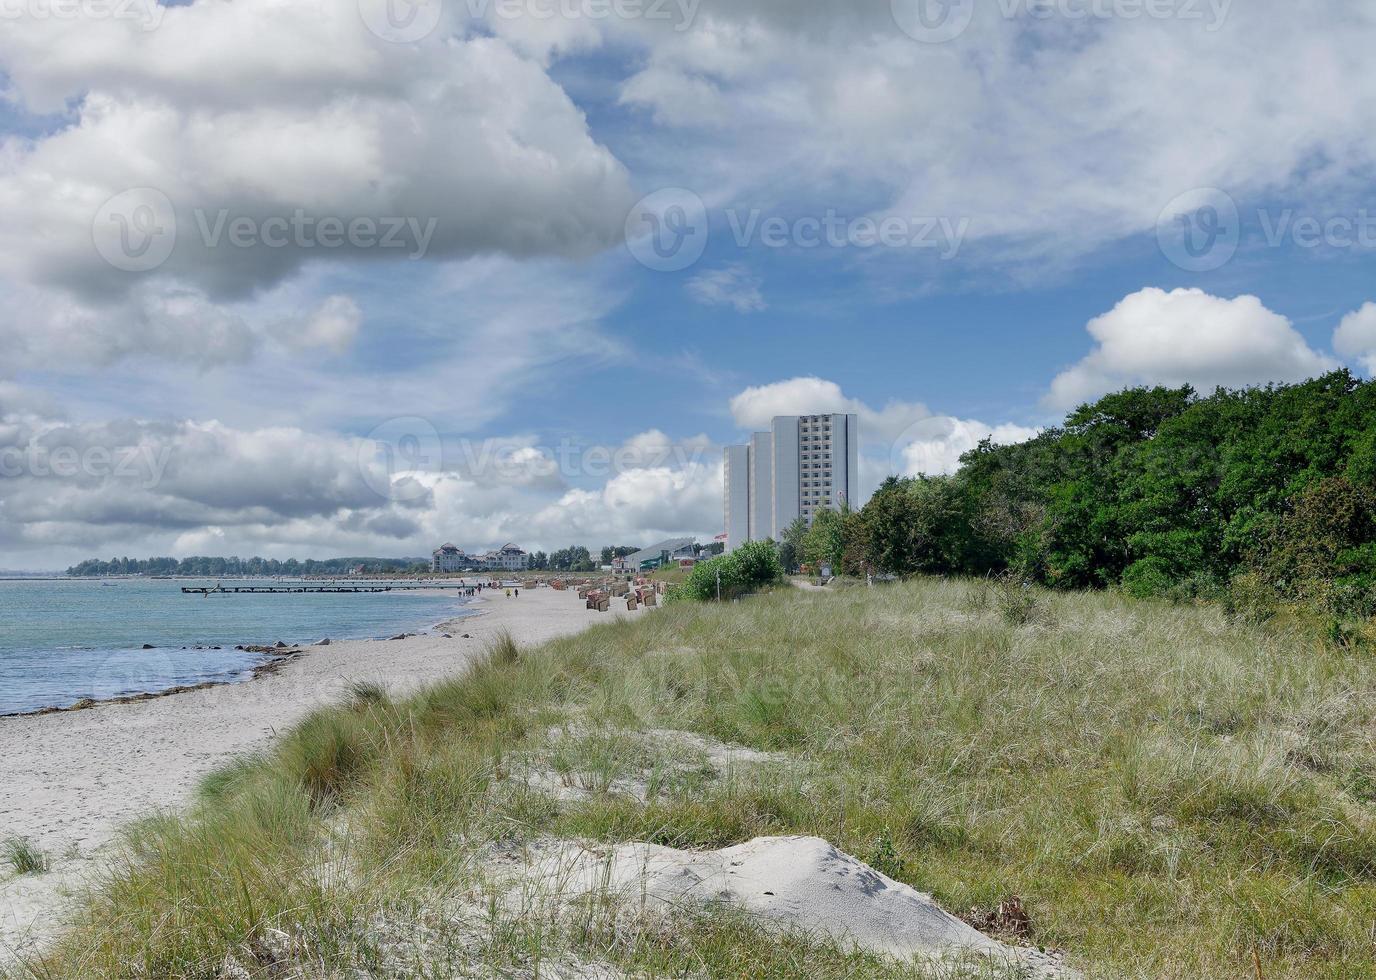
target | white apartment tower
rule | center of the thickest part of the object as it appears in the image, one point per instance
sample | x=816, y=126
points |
x=737, y=496
x=804, y=462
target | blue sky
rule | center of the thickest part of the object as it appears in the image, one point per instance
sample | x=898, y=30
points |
x=1010, y=206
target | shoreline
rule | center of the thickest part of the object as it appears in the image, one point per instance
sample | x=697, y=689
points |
x=275, y=658
x=73, y=778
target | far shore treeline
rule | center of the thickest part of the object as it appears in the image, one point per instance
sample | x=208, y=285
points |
x=575, y=559
x=1252, y=497
x=204, y=567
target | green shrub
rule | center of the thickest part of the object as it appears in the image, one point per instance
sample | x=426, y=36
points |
x=1148, y=577
x=750, y=567
x=1017, y=601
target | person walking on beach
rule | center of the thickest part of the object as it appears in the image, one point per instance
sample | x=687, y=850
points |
x=508, y=593
x=518, y=593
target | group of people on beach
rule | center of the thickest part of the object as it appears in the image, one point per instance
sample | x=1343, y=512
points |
x=475, y=590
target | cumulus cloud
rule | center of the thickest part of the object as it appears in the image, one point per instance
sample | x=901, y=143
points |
x=732, y=286
x=71, y=490
x=260, y=136
x=754, y=407
x=937, y=446
x=1187, y=336
x=1355, y=337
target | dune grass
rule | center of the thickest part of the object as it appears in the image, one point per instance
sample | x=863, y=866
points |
x=1164, y=792
x=23, y=857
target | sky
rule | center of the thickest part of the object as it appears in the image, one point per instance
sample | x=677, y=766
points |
x=360, y=277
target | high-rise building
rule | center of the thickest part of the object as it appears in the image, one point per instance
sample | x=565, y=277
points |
x=737, y=496
x=804, y=462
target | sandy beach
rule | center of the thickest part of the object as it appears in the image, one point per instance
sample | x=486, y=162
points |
x=72, y=779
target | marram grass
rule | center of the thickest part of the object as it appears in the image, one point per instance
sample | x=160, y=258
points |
x=1168, y=794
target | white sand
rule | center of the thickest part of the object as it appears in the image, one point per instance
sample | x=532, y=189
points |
x=802, y=883
x=70, y=780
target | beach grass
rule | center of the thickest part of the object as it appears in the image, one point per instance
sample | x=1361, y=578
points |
x=1160, y=792
x=23, y=857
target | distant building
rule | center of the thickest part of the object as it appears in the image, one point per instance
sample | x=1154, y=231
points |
x=737, y=496
x=803, y=463
x=666, y=552
x=508, y=558
x=448, y=558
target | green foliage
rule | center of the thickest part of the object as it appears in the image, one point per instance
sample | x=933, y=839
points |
x=234, y=567
x=363, y=695
x=920, y=525
x=834, y=539
x=1323, y=550
x=791, y=544
x=21, y=855
x=574, y=559
x=752, y=566
x=1162, y=492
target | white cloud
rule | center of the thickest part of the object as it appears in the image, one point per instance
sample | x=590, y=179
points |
x=732, y=286
x=1187, y=337
x=332, y=326
x=1052, y=134
x=1355, y=337
x=73, y=490
x=937, y=449
x=754, y=407
x=280, y=116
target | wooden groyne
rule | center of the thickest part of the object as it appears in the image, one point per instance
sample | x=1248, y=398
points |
x=298, y=589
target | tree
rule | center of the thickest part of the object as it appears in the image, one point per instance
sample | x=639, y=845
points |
x=1159, y=490
x=1323, y=550
x=825, y=542
x=790, y=545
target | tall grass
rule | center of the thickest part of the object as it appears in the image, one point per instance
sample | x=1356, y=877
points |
x=1155, y=789
x=22, y=856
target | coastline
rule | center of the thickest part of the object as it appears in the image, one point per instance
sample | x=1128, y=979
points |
x=73, y=778
x=242, y=660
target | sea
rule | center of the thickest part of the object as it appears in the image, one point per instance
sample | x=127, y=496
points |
x=66, y=640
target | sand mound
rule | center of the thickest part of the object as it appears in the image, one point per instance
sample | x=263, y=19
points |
x=799, y=882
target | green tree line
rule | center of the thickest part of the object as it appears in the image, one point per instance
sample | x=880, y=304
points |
x=1160, y=491
x=233, y=567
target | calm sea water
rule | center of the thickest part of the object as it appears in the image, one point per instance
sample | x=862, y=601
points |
x=61, y=641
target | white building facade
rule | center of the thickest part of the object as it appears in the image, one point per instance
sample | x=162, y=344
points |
x=448, y=558
x=737, y=496
x=804, y=463
x=509, y=558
